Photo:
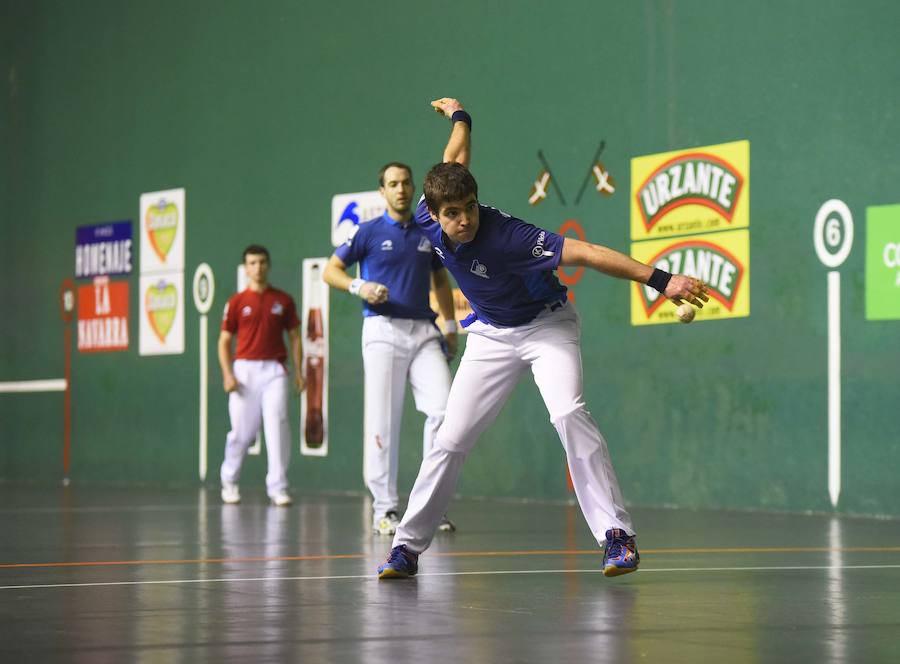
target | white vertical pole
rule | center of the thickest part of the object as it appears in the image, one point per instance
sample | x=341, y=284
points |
x=204, y=293
x=832, y=240
x=834, y=386
x=204, y=395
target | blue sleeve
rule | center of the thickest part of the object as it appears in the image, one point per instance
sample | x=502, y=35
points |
x=354, y=249
x=529, y=248
x=436, y=262
x=422, y=216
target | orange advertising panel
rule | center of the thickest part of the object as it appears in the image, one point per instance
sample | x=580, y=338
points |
x=103, y=316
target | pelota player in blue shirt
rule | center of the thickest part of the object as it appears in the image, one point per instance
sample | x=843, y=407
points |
x=399, y=339
x=522, y=321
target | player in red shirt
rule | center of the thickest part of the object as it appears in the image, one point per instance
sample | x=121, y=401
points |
x=256, y=377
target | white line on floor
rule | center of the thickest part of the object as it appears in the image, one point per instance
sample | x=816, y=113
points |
x=428, y=574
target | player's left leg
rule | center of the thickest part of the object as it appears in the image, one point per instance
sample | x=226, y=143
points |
x=554, y=352
x=277, y=429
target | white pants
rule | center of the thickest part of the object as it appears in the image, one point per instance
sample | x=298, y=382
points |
x=262, y=394
x=494, y=360
x=393, y=350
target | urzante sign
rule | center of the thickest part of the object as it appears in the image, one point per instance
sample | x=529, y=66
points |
x=690, y=191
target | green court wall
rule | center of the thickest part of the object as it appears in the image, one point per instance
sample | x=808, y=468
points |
x=263, y=111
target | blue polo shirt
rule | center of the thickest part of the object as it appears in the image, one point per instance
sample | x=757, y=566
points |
x=398, y=256
x=507, y=271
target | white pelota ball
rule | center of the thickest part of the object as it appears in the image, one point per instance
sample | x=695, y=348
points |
x=685, y=313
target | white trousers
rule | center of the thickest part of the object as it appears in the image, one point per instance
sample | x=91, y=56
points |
x=394, y=350
x=262, y=395
x=494, y=360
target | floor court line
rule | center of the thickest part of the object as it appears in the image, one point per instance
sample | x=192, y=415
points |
x=344, y=577
x=456, y=554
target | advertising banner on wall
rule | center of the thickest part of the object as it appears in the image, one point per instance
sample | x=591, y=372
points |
x=883, y=262
x=722, y=260
x=163, y=228
x=103, y=249
x=103, y=316
x=348, y=211
x=162, y=313
x=163, y=225
x=314, y=400
x=698, y=190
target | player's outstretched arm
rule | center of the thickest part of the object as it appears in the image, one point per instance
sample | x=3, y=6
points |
x=459, y=145
x=676, y=287
x=335, y=275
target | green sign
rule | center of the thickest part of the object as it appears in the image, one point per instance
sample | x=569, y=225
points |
x=883, y=262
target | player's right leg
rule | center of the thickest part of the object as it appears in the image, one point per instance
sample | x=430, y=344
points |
x=385, y=364
x=487, y=374
x=555, y=354
x=245, y=411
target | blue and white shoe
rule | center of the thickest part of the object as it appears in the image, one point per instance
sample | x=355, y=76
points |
x=621, y=555
x=401, y=563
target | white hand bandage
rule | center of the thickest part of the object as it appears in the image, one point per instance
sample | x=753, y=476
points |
x=355, y=285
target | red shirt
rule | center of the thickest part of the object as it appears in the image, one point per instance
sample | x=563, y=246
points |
x=259, y=321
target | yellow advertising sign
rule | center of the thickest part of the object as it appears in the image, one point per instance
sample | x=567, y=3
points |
x=690, y=191
x=722, y=260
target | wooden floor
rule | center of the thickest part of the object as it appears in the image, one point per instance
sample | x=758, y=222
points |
x=134, y=575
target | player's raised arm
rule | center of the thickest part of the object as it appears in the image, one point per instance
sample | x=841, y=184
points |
x=676, y=287
x=459, y=145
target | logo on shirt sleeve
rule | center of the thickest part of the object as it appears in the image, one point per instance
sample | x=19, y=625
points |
x=479, y=269
x=440, y=253
x=539, y=250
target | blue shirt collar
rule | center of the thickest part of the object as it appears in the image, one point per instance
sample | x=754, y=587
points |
x=388, y=218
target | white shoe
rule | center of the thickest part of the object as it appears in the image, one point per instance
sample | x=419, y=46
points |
x=446, y=525
x=281, y=499
x=231, y=494
x=386, y=524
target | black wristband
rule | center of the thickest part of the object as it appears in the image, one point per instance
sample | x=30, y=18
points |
x=659, y=280
x=462, y=116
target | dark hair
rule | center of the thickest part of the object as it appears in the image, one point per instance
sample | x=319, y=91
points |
x=448, y=182
x=257, y=250
x=393, y=164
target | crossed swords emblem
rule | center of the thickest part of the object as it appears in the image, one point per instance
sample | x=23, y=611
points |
x=603, y=181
